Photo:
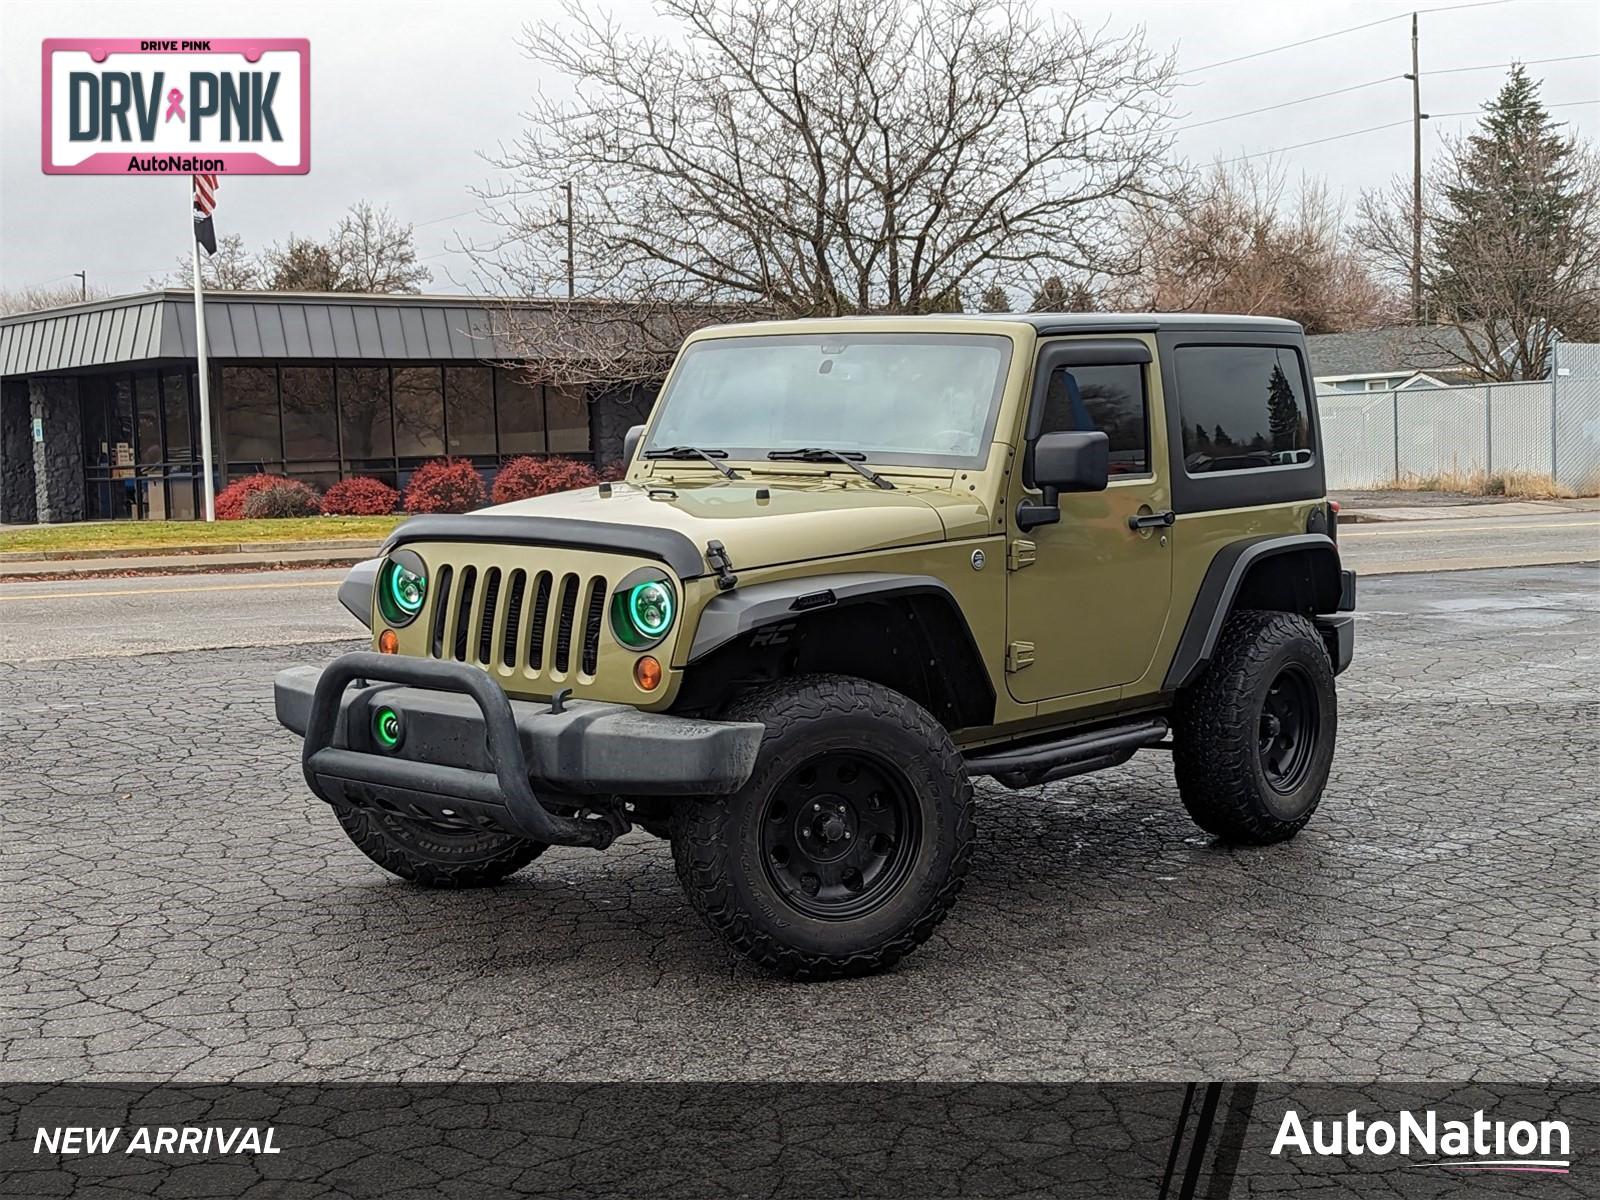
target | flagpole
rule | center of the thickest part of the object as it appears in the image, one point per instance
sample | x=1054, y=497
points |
x=200, y=354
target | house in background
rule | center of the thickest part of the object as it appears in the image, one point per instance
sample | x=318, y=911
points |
x=1382, y=360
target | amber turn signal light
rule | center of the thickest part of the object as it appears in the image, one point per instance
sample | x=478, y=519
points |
x=647, y=672
x=388, y=642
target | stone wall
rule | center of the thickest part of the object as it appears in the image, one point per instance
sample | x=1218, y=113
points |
x=58, y=460
x=16, y=455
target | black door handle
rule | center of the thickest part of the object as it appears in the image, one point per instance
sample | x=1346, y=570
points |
x=1160, y=520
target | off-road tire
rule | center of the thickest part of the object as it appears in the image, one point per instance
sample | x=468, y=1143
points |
x=1217, y=755
x=717, y=841
x=432, y=857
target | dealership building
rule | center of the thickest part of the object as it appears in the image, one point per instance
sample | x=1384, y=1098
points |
x=99, y=408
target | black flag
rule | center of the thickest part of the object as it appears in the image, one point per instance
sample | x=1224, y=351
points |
x=205, y=199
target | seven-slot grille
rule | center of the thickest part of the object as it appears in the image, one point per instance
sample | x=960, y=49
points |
x=536, y=622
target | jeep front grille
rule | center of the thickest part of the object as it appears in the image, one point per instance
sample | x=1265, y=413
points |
x=524, y=621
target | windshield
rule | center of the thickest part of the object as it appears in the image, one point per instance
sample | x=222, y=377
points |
x=895, y=397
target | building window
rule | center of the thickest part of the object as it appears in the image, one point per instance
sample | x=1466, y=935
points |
x=253, y=439
x=147, y=397
x=1112, y=401
x=1377, y=385
x=469, y=409
x=1242, y=407
x=310, y=421
x=520, y=407
x=175, y=402
x=365, y=420
x=418, y=412
x=566, y=419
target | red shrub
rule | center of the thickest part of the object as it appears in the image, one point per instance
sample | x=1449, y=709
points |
x=524, y=477
x=230, y=500
x=445, y=485
x=360, y=497
x=611, y=472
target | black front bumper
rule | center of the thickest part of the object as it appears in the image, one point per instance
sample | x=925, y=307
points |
x=468, y=754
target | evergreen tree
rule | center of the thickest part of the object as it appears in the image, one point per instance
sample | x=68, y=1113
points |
x=1283, y=410
x=1051, y=296
x=995, y=299
x=1509, y=205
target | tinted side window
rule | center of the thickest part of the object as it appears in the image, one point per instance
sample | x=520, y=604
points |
x=1242, y=407
x=1111, y=401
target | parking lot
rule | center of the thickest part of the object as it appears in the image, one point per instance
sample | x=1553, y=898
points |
x=175, y=905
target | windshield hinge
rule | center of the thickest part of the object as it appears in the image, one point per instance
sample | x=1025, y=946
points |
x=717, y=559
x=1019, y=655
x=1021, y=553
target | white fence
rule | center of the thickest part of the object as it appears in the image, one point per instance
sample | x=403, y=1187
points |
x=1549, y=428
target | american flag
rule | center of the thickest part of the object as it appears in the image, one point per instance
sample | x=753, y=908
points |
x=205, y=199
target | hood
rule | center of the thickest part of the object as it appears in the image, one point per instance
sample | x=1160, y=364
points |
x=791, y=524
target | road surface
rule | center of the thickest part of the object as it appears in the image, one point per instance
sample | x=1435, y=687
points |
x=100, y=618
x=176, y=906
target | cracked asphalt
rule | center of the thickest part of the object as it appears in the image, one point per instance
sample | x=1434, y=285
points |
x=174, y=905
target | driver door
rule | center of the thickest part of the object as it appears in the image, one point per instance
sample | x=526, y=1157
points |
x=1088, y=597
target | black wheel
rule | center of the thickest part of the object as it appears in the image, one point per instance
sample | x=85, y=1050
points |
x=1255, y=735
x=434, y=854
x=849, y=842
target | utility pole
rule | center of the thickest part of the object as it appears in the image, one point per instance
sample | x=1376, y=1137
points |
x=1417, y=118
x=83, y=284
x=572, y=287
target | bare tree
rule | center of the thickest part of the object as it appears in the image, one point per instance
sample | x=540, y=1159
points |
x=368, y=251
x=802, y=157
x=231, y=269
x=1511, y=238
x=1240, y=242
x=31, y=299
x=375, y=252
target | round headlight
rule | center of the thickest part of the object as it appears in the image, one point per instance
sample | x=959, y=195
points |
x=643, y=609
x=402, y=587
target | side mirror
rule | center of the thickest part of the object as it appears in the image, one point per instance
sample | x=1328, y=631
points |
x=630, y=443
x=1064, y=462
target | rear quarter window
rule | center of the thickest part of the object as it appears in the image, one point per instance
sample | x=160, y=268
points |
x=1242, y=408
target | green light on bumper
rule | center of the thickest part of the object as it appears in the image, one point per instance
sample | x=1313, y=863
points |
x=386, y=728
x=642, y=614
x=402, y=588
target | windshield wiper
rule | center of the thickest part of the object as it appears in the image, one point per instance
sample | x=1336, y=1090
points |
x=850, y=458
x=709, y=456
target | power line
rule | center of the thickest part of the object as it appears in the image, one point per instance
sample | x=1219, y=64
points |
x=1322, y=37
x=1524, y=62
x=1469, y=112
x=1356, y=87
x=1289, y=103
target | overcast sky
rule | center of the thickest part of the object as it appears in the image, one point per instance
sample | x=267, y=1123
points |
x=405, y=95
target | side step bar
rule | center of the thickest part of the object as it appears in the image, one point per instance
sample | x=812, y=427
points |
x=1073, y=754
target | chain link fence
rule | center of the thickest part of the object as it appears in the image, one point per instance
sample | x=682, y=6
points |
x=1547, y=428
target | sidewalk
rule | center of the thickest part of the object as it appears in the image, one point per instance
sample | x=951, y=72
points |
x=1363, y=511
x=185, y=560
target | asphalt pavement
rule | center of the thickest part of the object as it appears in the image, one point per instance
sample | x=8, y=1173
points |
x=106, y=617
x=175, y=905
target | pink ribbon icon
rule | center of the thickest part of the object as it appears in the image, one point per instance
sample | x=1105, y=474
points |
x=175, y=105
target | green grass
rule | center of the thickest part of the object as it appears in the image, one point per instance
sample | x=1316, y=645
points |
x=143, y=535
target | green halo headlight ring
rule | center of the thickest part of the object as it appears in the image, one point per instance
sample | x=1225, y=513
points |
x=387, y=730
x=650, y=608
x=643, y=609
x=402, y=587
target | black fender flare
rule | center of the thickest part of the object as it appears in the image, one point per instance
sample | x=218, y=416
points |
x=1226, y=574
x=731, y=615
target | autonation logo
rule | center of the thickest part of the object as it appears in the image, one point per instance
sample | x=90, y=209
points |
x=1478, y=1144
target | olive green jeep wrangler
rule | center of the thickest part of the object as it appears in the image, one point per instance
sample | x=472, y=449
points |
x=854, y=564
